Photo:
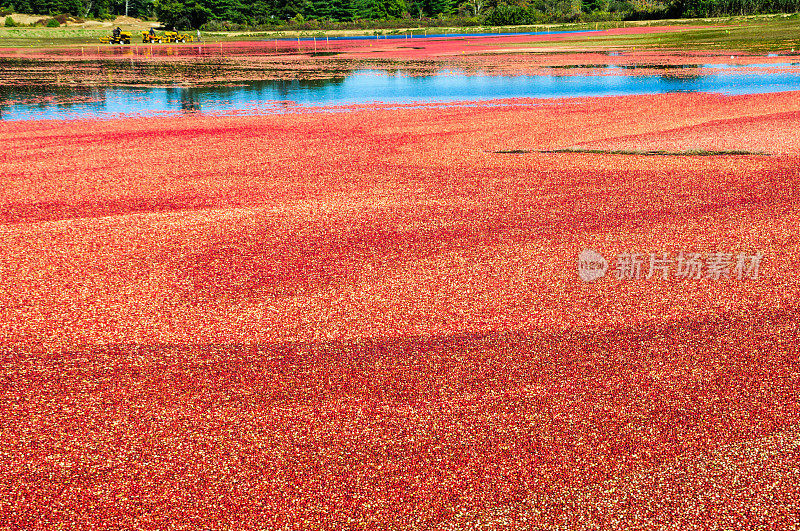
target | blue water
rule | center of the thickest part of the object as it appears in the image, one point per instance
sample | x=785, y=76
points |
x=369, y=86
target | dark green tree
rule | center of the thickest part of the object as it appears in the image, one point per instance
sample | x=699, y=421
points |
x=367, y=9
x=342, y=10
x=435, y=7
x=394, y=8
x=174, y=14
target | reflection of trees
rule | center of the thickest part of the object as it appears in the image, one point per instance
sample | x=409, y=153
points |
x=43, y=97
x=188, y=103
x=96, y=100
x=30, y=99
x=16, y=100
x=670, y=72
x=283, y=91
x=256, y=92
x=187, y=98
x=682, y=73
x=678, y=77
x=285, y=88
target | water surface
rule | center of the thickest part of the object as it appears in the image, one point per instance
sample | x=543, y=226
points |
x=371, y=86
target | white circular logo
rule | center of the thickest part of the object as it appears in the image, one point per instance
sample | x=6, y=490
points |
x=591, y=265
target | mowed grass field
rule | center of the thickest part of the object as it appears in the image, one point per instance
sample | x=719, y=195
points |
x=372, y=318
x=750, y=34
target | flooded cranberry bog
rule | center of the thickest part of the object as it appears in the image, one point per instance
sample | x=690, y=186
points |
x=459, y=313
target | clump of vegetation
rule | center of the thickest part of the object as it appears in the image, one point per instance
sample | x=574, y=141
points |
x=52, y=23
x=10, y=23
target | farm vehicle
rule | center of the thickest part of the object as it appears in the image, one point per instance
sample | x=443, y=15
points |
x=117, y=37
x=124, y=37
x=168, y=36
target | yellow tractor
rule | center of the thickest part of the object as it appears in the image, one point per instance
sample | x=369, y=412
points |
x=122, y=37
x=168, y=36
x=150, y=37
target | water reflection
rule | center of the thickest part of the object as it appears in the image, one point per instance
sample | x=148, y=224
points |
x=39, y=98
x=188, y=102
x=367, y=86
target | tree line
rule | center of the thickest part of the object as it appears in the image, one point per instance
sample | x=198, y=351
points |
x=309, y=14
